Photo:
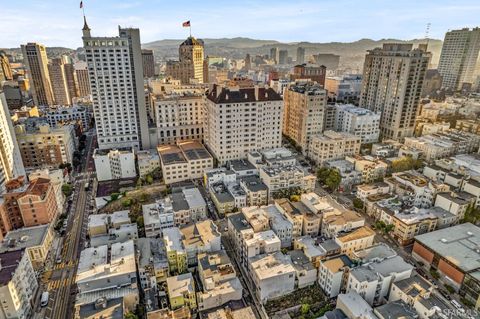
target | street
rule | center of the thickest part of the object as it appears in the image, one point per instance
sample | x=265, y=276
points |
x=59, y=279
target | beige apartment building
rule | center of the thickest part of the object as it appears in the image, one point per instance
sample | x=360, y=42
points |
x=242, y=120
x=36, y=61
x=83, y=81
x=392, y=83
x=43, y=146
x=332, y=146
x=304, y=109
x=189, y=68
x=178, y=117
x=184, y=161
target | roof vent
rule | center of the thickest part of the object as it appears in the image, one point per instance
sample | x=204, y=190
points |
x=443, y=240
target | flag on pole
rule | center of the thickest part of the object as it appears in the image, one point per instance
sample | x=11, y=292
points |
x=81, y=4
x=186, y=24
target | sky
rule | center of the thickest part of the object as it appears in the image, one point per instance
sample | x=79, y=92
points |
x=59, y=22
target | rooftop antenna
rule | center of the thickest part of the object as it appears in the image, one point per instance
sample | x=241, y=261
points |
x=427, y=34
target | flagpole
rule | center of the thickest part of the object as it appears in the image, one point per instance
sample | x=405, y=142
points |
x=190, y=28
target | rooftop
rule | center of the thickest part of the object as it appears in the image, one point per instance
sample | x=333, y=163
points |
x=111, y=309
x=200, y=233
x=188, y=198
x=239, y=221
x=356, y=234
x=24, y=238
x=253, y=184
x=337, y=263
x=241, y=165
x=9, y=262
x=222, y=95
x=271, y=265
x=179, y=285
x=396, y=309
x=173, y=238
x=459, y=244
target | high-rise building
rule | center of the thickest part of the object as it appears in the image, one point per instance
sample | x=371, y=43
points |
x=189, y=68
x=392, y=83
x=148, y=63
x=35, y=58
x=331, y=61
x=304, y=110
x=72, y=82
x=282, y=57
x=242, y=120
x=11, y=165
x=300, y=55
x=274, y=54
x=59, y=82
x=459, y=57
x=116, y=82
x=248, y=62
x=83, y=78
x=310, y=72
x=5, y=70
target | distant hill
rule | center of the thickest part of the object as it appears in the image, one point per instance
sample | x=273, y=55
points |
x=352, y=53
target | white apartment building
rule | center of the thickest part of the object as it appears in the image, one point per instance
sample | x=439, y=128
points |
x=332, y=146
x=110, y=272
x=18, y=285
x=273, y=275
x=344, y=88
x=147, y=162
x=200, y=237
x=263, y=242
x=184, y=161
x=358, y=121
x=116, y=81
x=219, y=280
x=75, y=114
x=373, y=279
x=459, y=57
x=392, y=82
x=114, y=164
x=303, y=113
x=277, y=177
x=158, y=216
x=178, y=117
x=11, y=164
x=332, y=273
x=188, y=206
x=242, y=120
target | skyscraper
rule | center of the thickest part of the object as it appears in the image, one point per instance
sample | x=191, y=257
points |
x=248, y=62
x=58, y=82
x=274, y=54
x=83, y=79
x=116, y=81
x=189, y=68
x=11, y=165
x=148, y=63
x=35, y=58
x=392, y=83
x=459, y=57
x=72, y=82
x=282, y=57
x=300, y=55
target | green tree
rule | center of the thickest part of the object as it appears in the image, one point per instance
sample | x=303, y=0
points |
x=67, y=189
x=404, y=164
x=130, y=315
x=295, y=198
x=388, y=228
x=149, y=179
x=305, y=309
x=357, y=203
x=322, y=174
x=139, y=221
x=333, y=180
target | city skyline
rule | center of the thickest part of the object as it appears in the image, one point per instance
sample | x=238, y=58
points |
x=282, y=21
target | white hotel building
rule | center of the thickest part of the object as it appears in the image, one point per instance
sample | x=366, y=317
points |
x=116, y=82
x=242, y=120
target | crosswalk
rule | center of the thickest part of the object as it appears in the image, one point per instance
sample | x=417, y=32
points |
x=55, y=284
x=68, y=264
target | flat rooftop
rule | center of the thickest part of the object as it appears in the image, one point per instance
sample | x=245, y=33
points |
x=9, y=261
x=24, y=238
x=271, y=265
x=199, y=233
x=396, y=309
x=356, y=234
x=337, y=263
x=113, y=310
x=457, y=244
x=179, y=285
x=173, y=239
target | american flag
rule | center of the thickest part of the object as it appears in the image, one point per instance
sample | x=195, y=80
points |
x=81, y=4
x=186, y=24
